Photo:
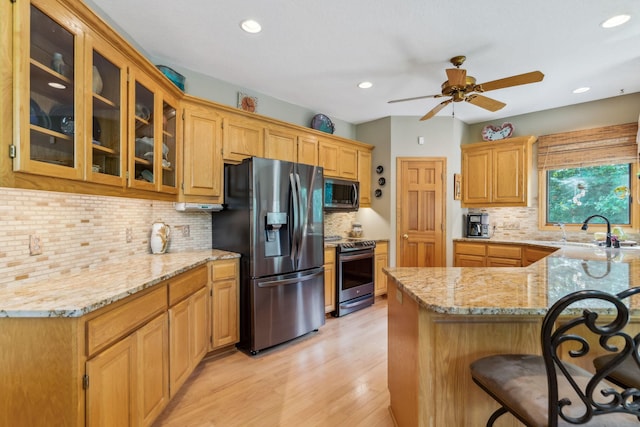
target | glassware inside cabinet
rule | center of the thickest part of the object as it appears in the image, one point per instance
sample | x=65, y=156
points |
x=144, y=134
x=52, y=116
x=168, y=145
x=106, y=126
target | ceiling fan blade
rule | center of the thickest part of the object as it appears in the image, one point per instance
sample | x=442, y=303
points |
x=414, y=98
x=436, y=110
x=484, y=102
x=520, y=79
x=456, y=77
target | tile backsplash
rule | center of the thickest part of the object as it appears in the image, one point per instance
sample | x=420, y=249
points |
x=75, y=231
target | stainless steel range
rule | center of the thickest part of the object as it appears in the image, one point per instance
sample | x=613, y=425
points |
x=355, y=274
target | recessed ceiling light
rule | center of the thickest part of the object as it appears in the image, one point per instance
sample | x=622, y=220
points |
x=615, y=21
x=581, y=89
x=365, y=85
x=251, y=26
x=56, y=85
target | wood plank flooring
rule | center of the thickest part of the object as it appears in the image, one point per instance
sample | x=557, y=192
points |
x=334, y=377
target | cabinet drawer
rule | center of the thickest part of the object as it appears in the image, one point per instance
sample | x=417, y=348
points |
x=470, y=248
x=504, y=251
x=223, y=270
x=114, y=324
x=186, y=284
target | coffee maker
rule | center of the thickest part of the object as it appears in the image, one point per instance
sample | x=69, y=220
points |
x=477, y=225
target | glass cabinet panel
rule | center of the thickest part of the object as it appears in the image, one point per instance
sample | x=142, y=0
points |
x=54, y=125
x=107, y=82
x=169, y=147
x=144, y=152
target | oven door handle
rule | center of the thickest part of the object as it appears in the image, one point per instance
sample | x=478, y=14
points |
x=346, y=256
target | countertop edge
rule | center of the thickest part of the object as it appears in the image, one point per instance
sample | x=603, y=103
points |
x=159, y=268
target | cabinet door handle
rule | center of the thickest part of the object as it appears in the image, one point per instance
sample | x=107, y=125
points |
x=405, y=236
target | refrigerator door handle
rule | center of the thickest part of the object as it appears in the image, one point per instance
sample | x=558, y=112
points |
x=276, y=282
x=296, y=220
x=302, y=220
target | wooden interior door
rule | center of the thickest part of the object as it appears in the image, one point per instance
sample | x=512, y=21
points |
x=421, y=212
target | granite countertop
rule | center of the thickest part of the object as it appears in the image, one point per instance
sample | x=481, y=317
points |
x=521, y=290
x=76, y=294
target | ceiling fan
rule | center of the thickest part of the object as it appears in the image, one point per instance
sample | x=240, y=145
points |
x=461, y=87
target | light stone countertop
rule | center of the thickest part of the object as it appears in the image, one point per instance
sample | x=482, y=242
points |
x=521, y=290
x=76, y=294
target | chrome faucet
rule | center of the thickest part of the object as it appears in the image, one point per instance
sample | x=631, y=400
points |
x=564, y=232
x=585, y=226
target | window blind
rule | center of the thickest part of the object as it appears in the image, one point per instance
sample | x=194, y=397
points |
x=605, y=145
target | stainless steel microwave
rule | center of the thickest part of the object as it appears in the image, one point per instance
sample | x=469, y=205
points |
x=341, y=195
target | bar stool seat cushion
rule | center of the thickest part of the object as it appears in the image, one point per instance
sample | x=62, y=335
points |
x=519, y=382
x=626, y=375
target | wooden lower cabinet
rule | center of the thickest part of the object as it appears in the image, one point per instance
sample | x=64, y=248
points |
x=118, y=365
x=128, y=382
x=329, y=279
x=533, y=254
x=381, y=261
x=188, y=341
x=484, y=254
x=225, y=298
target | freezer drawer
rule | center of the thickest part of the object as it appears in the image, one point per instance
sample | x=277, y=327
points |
x=284, y=307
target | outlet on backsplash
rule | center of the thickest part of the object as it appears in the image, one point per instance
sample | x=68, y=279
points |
x=186, y=230
x=511, y=226
x=35, y=246
x=129, y=234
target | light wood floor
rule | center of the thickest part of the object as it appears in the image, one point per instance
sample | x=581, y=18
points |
x=334, y=377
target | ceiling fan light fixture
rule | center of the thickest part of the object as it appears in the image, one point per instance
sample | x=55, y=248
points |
x=251, y=26
x=615, y=21
x=582, y=89
x=365, y=85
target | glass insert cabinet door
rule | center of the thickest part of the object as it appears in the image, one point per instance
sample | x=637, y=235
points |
x=153, y=130
x=50, y=136
x=106, y=96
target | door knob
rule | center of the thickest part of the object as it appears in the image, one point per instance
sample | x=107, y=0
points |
x=405, y=236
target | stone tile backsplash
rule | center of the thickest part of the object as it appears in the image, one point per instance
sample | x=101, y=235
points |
x=76, y=231
x=522, y=224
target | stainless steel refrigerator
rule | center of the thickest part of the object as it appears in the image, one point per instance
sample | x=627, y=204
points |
x=273, y=217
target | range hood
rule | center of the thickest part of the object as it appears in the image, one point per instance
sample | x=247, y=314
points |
x=191, y=207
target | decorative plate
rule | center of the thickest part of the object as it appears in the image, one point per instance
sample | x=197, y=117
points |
x=322, y=123
x=247, y=103
x=494, y=133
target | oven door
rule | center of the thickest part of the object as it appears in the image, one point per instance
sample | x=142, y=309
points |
x=354, y=274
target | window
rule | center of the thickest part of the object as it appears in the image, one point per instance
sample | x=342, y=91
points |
x=588, y=172
x=575, y=193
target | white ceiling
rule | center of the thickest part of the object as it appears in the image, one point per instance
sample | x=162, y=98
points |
x=313, y=54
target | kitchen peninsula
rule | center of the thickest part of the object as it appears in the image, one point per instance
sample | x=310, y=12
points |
x=441, y=319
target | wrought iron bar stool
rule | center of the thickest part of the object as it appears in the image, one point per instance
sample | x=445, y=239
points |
x=549, y=391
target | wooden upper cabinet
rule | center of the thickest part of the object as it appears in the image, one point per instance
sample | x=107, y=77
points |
x=497, y=173
x=242, y=137
x=106, y=95
x=49, y=86
x=202, y=165
x=364, y=177
x=338, y=159
x=281, y=144
x=308, y=150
